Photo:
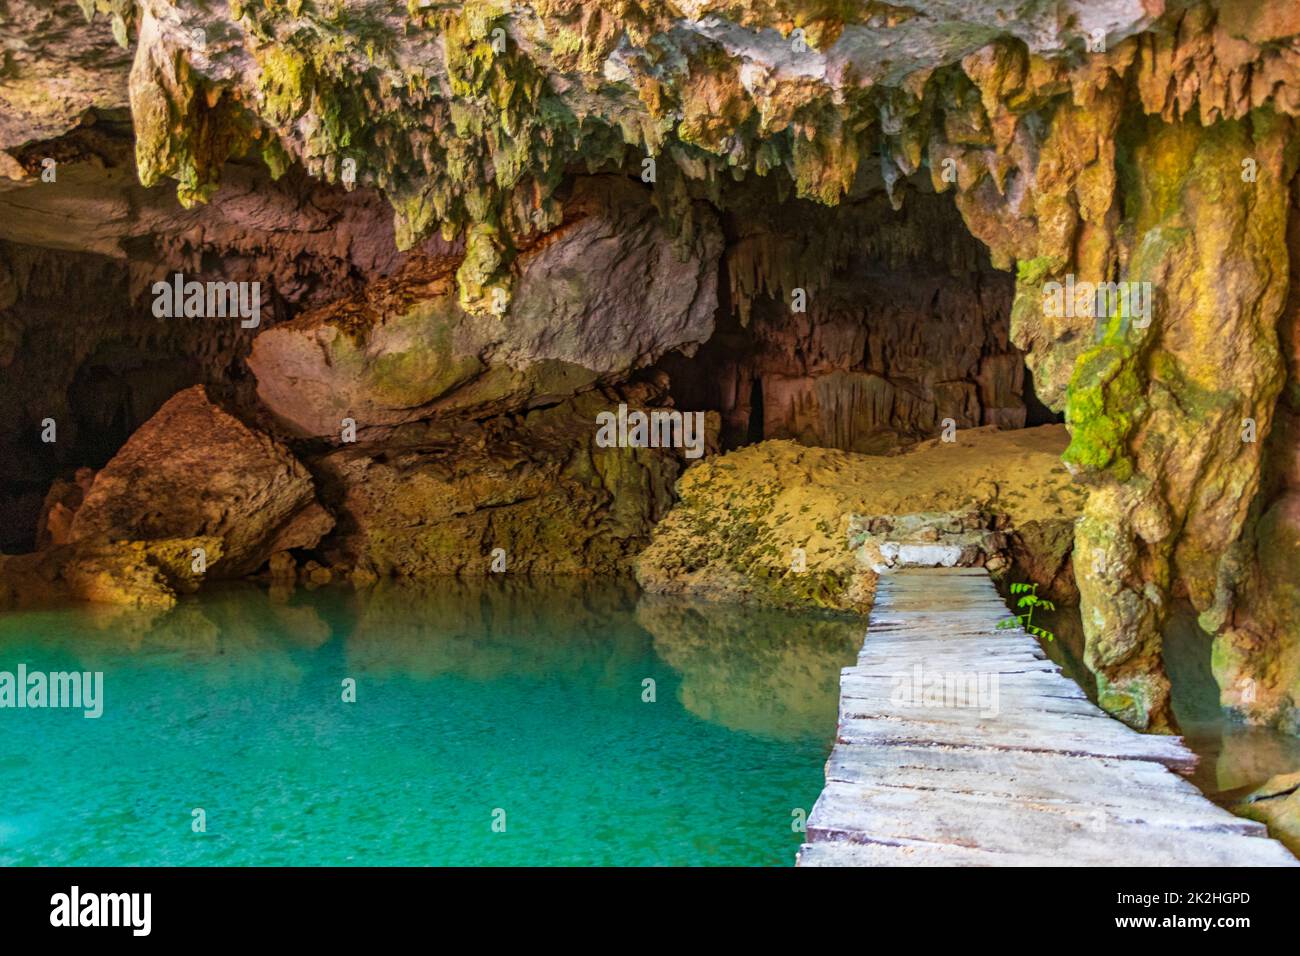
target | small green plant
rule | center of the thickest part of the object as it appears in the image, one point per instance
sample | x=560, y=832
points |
x=1029, y=599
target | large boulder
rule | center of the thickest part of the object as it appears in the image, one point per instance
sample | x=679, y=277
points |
x=605, y=293
x=195, y=470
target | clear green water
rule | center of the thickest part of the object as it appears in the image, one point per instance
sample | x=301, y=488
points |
x=1235, y=758
x=471, y=698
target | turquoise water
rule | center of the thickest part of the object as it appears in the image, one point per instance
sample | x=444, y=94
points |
x=476, y=702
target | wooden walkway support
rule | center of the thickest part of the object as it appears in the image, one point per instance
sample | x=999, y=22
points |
x=961, y=745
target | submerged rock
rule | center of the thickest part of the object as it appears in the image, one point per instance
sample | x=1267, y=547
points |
x=196, y=470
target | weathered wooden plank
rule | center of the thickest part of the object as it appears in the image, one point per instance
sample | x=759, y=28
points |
x=844, y=854
x=880, y=699
x=891, y=630
x=1033, y=771
x=972, y=619
x=882, y=643
x=1000, y=735
x=857, y=682
x=1066, y=784
x=948, y=650
x=963, y=707
x=962, y=745
x=860, y=814
x=930, y=655
x=887, y=647
x=1012, y=664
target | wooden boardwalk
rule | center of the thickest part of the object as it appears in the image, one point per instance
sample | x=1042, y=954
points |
x=962, y=745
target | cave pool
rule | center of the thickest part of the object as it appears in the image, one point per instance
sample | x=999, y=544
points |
x=477, y=703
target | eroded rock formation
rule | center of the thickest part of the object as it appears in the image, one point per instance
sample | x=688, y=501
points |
x=79, y=340
x=857, y=327
x=1277, y=803
x=140, y=574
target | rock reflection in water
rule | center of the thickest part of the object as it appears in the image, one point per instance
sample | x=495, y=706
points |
x=471, y=695
x=251, y=631
x=758, y=671
x=752, y=669
x=1235, y=757
x=764, y=672
x=483, y=628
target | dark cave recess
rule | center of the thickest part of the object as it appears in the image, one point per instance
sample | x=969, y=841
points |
x=900, y=323
x=894, y=335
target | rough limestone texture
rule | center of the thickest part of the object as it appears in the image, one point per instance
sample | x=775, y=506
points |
x=55, y=70
x=530, y=494
x=54, y=527
x=606, y=293
x=195, y=470
x=1159, y=414
x=140, y=574
x=468, y=115
x=771, y=523
x=1256, y=656
x=91, y=244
